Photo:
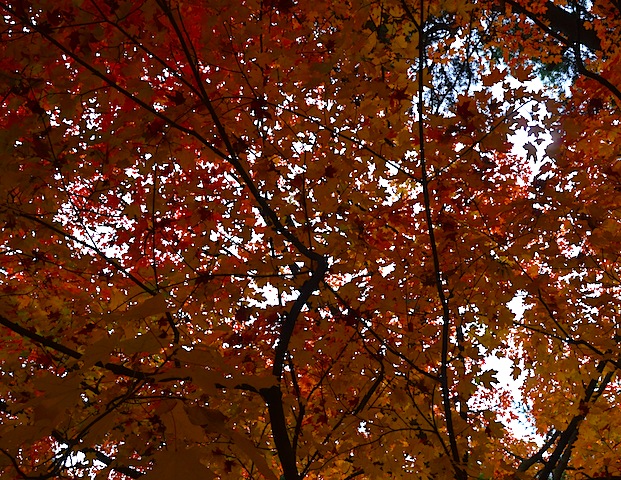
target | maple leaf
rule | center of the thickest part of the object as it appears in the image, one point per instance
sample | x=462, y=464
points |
x=398, y=96
x=463, y=110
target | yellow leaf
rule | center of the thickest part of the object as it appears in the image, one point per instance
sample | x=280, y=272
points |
x=100, y=350
x=213, y=420
x=181, y=463
x=205, y=417
x=60, y=395
x=152, y=306
x=143, y=343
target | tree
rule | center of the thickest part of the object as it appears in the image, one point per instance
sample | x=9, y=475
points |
x=270, y=239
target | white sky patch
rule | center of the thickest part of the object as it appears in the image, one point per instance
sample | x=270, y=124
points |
x=522, y=427
x=529, y=142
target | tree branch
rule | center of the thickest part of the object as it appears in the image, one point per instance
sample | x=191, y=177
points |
x=562, y=452
x=288, y=325
x=568, y=28
x=460, y=474
x=48, y=342
x=273, y=398
x=562, y=25
x=538, y=457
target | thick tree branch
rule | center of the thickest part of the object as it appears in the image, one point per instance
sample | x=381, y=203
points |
x=49, y=343
x=538, y=456
x=290, y=320
x=273, y=395
x=565, y=26
x=286, y=454
x=594, y=76
x=557, y=462
x=569, y=29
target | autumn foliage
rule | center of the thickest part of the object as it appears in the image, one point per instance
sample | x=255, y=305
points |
x=292, y=239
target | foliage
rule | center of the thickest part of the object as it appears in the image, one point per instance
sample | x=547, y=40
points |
x=269, y=239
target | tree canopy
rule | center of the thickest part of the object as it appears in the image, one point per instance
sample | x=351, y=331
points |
x=286, y=239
